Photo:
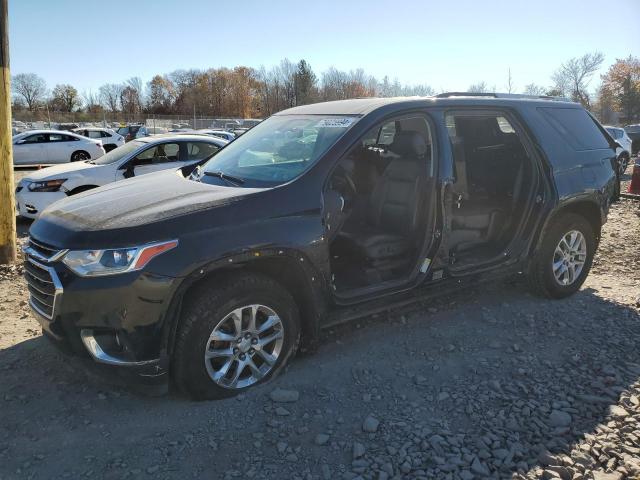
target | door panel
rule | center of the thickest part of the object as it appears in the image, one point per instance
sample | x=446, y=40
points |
x=60, y=148
x=31, y=153
x=153, y=159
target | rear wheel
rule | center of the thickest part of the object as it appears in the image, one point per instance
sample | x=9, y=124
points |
x=234, y=336
x=80, y=156
x=564, y=257
x=624, y=163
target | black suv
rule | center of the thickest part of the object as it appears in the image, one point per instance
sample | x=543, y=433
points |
x=216, y=274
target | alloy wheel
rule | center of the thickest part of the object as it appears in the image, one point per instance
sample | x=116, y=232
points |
x=569, y=257
x=244, y=346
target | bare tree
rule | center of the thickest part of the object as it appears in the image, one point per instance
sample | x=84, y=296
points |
x=510, y=85
x=535, y=90
x=135, y=85
x=573, y=77
x=480, y=87
x=91, y=102
x=30, y=87
x=110, y=95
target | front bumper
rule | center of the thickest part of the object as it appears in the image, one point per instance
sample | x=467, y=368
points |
x=117, y=321
x=31, y=204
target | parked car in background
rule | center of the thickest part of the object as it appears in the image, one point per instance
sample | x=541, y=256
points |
x=47, y=147
x=108, y=137
x=138, y=157
x=131, y=132
x=216, y=274
x=633, y=131
x=623, y=152
x=67, y=126
x=239, y=131
x=216, y=133
x=157, y=130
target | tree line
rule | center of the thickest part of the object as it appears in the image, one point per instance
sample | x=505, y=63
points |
x=249, y=92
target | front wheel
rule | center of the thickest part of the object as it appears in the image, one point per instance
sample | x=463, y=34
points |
x=234, y=336
x=564, y=257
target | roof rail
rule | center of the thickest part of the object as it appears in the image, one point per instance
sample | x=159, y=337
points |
x=466, y=94
x=502, y=95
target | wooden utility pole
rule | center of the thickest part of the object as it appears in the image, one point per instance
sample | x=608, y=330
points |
x=7, y=202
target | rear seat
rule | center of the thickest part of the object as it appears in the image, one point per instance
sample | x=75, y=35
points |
x=474, y=220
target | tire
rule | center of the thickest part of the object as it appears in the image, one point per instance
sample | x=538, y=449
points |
x=624, y=163
x=541, y=271
x=205, y=310
x=80, y=156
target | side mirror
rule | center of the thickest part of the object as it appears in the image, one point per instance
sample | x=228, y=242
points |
x=20, y=142
x=617, y=144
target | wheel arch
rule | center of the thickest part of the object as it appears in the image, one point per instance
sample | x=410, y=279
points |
x=81, y=188
x=589, y=209
x=80, y=150
x=303, y=282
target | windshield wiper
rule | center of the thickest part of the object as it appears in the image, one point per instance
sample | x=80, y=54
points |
x=229, y=178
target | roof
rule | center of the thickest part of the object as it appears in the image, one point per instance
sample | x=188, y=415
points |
x=363, y=106
x=62, y=132
x=48, y=131
x=182, y=137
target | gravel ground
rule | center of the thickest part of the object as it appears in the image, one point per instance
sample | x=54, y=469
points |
x=489, y=383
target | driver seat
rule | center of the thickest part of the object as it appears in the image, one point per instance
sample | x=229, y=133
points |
x=395, y=206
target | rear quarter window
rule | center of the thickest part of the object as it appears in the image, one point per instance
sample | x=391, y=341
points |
x=576, y=127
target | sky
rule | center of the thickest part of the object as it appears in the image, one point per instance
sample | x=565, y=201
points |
x=446, y=44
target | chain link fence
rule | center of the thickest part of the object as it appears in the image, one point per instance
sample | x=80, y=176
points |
x=41, y=119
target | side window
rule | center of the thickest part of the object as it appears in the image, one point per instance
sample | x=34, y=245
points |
x=39, y=138
x=577, y=127
x=95, y=134
x=163, y=153
x=104, y=134
x=56, y=137
x=407, y=138
x=504, y=125
x=200, y=150
x=489, y=157
x=84, y=133
x=387, y=133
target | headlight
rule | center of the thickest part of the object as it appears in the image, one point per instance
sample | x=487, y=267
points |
x=95, y=263
x=47, y=186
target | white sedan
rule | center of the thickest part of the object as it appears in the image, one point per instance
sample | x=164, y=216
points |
x=137, y=157
x=48, y=147
x=108, y=137
x=217, y=133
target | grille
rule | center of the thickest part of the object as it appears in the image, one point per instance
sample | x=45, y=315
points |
x=43, y=283
x=44, y=251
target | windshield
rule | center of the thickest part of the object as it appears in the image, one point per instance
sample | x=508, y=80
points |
x=276, y=151
x=119, y=153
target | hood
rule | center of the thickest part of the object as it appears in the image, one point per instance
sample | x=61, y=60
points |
x=59, y=171
x=139, y=201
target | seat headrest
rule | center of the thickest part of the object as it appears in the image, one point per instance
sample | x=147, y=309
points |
x=409, y=144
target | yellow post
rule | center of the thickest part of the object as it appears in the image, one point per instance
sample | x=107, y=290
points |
x=7, y=201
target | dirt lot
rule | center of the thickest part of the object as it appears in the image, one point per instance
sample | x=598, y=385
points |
x=491, y=382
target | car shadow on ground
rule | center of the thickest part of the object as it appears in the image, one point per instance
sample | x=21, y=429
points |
x=510, y=372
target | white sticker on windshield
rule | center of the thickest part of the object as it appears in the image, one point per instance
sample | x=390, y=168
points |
x=334, y=122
